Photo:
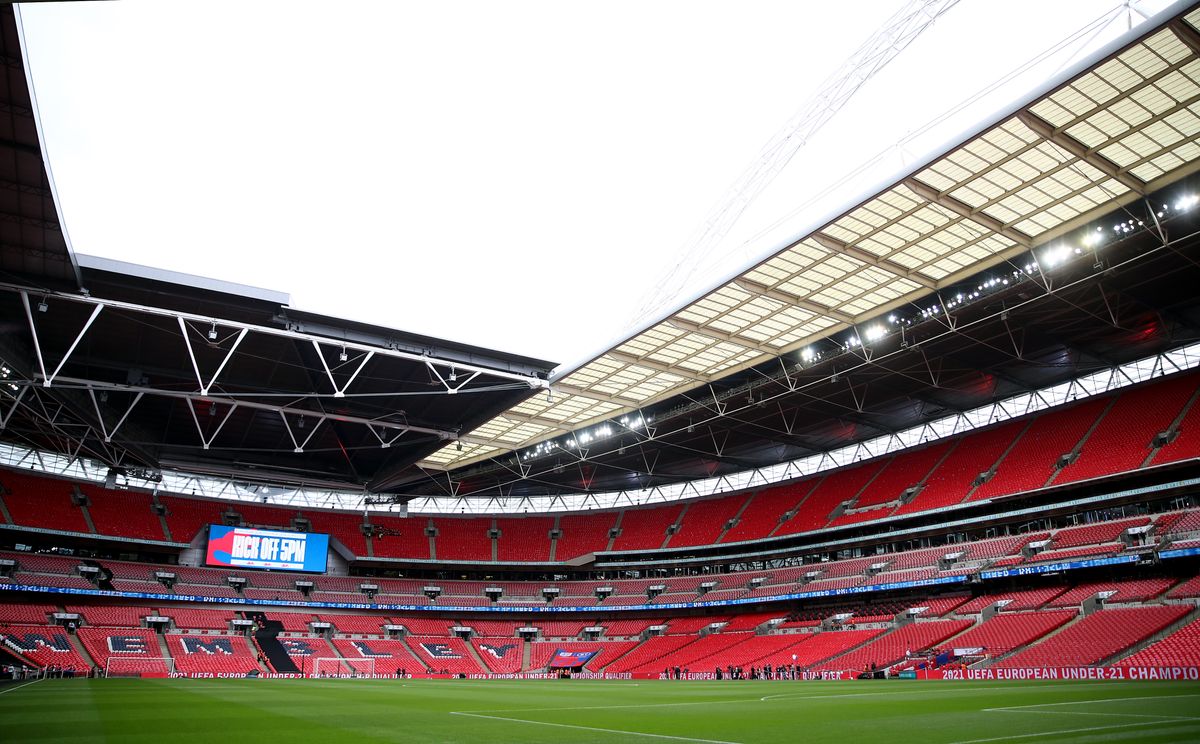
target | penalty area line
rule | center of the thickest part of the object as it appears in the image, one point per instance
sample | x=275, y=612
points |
x=592, y=728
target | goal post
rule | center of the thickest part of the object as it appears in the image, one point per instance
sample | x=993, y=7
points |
x=334, y=666
x=139, y=666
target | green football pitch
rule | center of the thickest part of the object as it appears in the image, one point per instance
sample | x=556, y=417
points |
x=570, y=711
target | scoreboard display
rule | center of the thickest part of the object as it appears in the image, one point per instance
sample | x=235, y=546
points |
x=245, y=547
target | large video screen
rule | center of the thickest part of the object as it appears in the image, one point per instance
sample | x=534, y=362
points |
x=245, y=547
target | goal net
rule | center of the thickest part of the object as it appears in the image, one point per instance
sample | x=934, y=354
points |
x=337, y=667
x=139, y=666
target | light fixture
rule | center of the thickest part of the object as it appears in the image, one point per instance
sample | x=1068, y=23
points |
x=42, y=306
x=343, y=357
x=691, y=429
x=212, y=409
x=212, y=332
x=300, y=423
x=458, y=446
x=453, y=374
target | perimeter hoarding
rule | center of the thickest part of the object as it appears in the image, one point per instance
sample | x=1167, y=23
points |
x=246, y=547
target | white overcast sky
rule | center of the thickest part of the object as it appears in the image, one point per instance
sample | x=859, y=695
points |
x=517, y=175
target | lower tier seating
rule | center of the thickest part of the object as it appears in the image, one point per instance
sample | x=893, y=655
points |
x=212, y=654
x=1097, y=637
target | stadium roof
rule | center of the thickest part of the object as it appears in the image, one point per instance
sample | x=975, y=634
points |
x=1115, y=129
x=141, y=369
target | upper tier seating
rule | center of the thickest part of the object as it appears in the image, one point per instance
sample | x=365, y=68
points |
x=401, y=538
x=41, y=501
x=761, y=516
x=583, y=534
x=836, y=487
x=347, y=528
x=187, y=518
x=524, y=539
x=908, y=468
x=1186, y=444
x=463, y=539
x=1097, y=637
x=976, y=453
x=1123, y=439
x=123, y=513
x=704, y=521
x=1030, y=463
x=646, y=529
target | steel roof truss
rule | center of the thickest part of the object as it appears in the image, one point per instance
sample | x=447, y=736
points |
x=340, y=392
x=206, y=442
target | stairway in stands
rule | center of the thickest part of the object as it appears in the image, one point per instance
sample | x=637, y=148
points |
x=267, y=638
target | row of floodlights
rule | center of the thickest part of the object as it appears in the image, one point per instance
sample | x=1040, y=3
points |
x=632, y=422
x=1050, y=258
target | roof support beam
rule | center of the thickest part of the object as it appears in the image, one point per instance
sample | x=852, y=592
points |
x=255, y=405
x=1043, y=129
x=526, y=418
x=1186, y=34
x=593, y=395
x=803, y=303
x=621, y=356
x=531, y=380
x=838, y=246
x=690, y=327
x=962, y=209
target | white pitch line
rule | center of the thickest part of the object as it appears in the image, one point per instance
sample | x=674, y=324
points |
x=1091, y=713
x=14, y=689
x=1092, y=702
x=593, y=728
x=1067, y=731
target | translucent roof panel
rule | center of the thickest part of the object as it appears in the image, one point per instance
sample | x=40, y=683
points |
x=1129, y=123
